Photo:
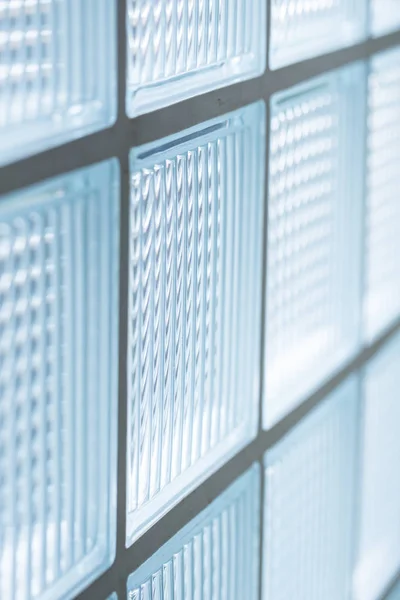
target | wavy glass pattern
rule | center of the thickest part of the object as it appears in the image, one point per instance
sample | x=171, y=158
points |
x=180, y=48
x=382, y=246
x=58, y=328
x=379, y=549
x=194, y=307
x=302, y=29
x=57, y=72
x=215, y=556
x=385, y=16
x=314, y=236
x=309, y=501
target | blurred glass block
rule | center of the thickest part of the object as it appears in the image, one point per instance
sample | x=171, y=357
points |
x=395, y=595
x=302, y=29
x=57, y=72
x=385, y=16
x=181, y=48
x=314, y=236
x=58, y=342
x=194, y=306
x=309, y=500
x=382, y=277
x=379, y=549
x=215, y=556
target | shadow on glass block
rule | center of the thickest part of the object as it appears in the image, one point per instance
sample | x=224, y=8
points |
x=215, y=556
x=58, y=337
x=382, y=246
x=57, y=73
x=301, y=29
x=313, y=295
x=379, y=547
x=309, y=503
x=194, y=308
x=178, y=49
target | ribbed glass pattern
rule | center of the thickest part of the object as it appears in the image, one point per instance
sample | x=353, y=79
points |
x=214, y=557
x=309, y=501
x=314, y=228
x=302, y=29
x=379, y=550
x=180, y=48
x=57, y=72
x=385, y=16
x=194, y=307
x=58, y=317
x=382, y=246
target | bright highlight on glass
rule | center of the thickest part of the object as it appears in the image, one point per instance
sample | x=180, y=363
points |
x=57, y=72
x=309, y=501
x=302, y=29
x=385, y=16
x=180, y=48
x=215, y=556
x=58, y=318
x=382, y=246
x=314, y=228
x=194, y=308
x=379, y=548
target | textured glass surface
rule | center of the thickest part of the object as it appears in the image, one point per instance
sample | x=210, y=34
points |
x=180, y=48
x=58, y=317
x=214, y=557
x=194, y=307
x=385, y=16
x=302, y=29
x=57, y=72
x=314, y=227
x=309, y=502
x=382, y=277
x=379, y=551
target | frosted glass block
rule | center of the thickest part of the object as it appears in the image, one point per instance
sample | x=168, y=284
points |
x=385, y=16
x=194, y=308
x=382, y=247
x=313, y=295
x=302, y=29
x=215, y=556
x=58, y=396
x=309, y=500
x=379, y=548
x=181, y=48
x=57, y=72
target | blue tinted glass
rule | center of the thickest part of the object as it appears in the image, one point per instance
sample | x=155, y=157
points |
x=194, y=294
x=58, y=400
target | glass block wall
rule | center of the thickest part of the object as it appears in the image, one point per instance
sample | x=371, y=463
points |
x=199, y=299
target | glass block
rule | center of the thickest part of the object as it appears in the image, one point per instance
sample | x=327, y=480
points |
x=382, y=246
x=57, y=72
x=313, y=295
x=58, y=392
x=309, y=500
x=395, y=595
x=302, y=29
x=215, y=556
x=385, y=16
x=379, y=548
x=194, y=308
x=181, y=48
